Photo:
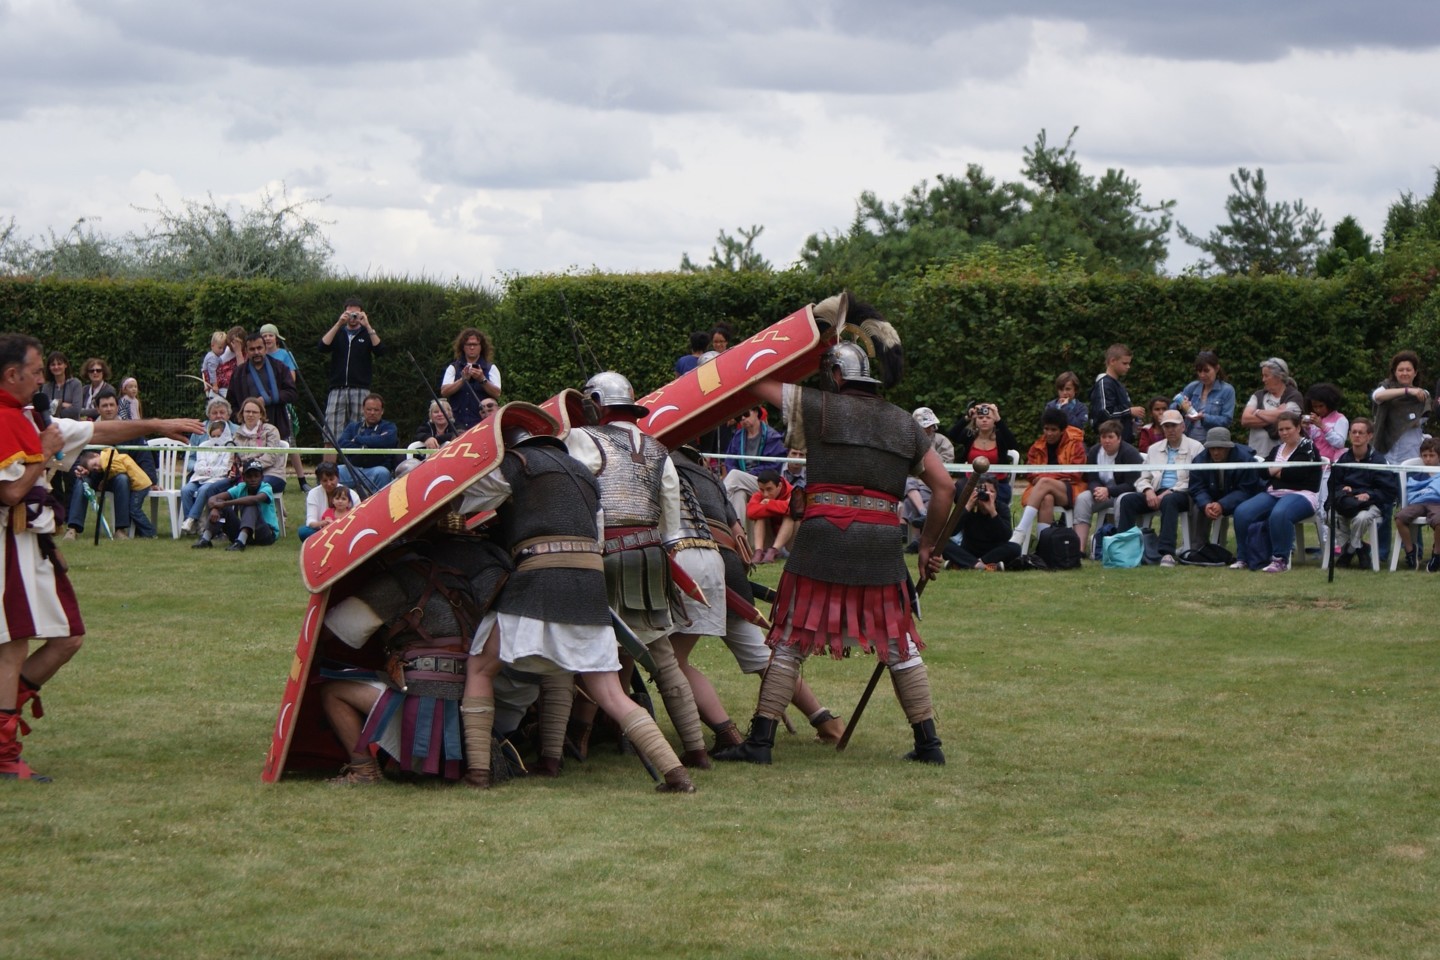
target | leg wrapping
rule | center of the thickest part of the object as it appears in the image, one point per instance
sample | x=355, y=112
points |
x=679, y=698
x=778, y=686
x=477, y=717
x=639, y=727
x=912, y=689
x=557, y=695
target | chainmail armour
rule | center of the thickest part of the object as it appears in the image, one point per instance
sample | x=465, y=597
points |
x=552, y=495
x=858, y=440
x=629, y=478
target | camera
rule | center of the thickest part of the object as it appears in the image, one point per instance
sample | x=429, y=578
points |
x=983, y=410
x=353, y=315
x=982, y=494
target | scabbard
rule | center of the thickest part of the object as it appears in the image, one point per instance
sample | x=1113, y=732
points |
x=738, y=605
x=686, y=583
x=762, y=593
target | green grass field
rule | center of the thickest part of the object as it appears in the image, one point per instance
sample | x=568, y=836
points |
x=1147, y=763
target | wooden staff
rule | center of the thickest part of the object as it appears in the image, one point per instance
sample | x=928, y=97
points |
x=980, y=466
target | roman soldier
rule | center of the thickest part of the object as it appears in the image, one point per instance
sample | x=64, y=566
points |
x=640, y=494
x=845, y=582
x=552, y=618
x=740, y=628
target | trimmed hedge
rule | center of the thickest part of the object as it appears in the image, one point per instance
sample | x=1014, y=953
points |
x=638, y=324
x=158, y=332
x=1005, y=338
x=999, y=332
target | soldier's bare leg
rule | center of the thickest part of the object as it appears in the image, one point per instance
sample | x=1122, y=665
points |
x=477, y=711
x=346, y=704
x=605, y=690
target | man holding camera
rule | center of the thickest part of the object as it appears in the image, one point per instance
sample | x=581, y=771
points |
x=352, y=344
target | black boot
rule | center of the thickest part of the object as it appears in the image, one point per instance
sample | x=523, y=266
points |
x=927, y=744
x=756, y=748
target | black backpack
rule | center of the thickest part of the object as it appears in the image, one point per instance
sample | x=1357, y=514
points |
x=1059, y=547
x=1207, y=555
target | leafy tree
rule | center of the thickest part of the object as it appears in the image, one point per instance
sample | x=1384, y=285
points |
x=731, y=254
x=1409, y=218
x=271, y=242
x=79, y=253
x=1103, y=223
x=276, y=240
x=1348, y=244
x=1059, y=210
x=929, y=225
x=1261, y=237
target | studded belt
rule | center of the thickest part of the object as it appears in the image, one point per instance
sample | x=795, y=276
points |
x=541, y=546
x=852, y=501
x=455, y=665
x=686, y=543
x=633, y=540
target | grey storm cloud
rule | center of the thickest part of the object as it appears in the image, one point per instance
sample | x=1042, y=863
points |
x=1230, y=30
x=651, y=56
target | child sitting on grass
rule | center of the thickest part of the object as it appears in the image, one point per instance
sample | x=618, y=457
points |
x=340, y=505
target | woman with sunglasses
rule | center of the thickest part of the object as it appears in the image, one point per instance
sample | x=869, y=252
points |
x=96, y=378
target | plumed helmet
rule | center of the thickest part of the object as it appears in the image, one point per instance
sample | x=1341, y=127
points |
x=850, y=359
x=611, y=390
x=863, y=336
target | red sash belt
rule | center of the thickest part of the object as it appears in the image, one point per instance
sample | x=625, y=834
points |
x=844, y=504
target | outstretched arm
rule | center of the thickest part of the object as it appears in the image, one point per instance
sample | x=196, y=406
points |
x=119, y=431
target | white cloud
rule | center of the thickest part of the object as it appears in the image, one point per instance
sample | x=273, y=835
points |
x=475, y=138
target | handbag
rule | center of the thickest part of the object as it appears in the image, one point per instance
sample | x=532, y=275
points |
x=1123, y=550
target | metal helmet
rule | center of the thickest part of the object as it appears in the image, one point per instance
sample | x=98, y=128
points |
x=526, y=423
x=612, y=391
x=852, y=362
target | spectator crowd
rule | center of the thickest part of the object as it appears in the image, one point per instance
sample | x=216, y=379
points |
x=1193, y=463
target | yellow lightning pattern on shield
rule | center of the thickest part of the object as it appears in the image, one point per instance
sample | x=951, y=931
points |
x=333, y=533
x=459, y=448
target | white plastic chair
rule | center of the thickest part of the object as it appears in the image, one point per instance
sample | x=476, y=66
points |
x=1415, y=525
x=280, y=497
x=170, y=455
x=1322, y=536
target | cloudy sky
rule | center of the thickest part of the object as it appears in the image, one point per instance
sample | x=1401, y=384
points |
x=474, y=139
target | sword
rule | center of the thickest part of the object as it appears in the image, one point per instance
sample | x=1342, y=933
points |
x=860, y=708
x=980, y=466
x=631, y=643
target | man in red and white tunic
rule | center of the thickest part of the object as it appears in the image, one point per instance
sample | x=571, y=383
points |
x=37, y=598
x=845, y=582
